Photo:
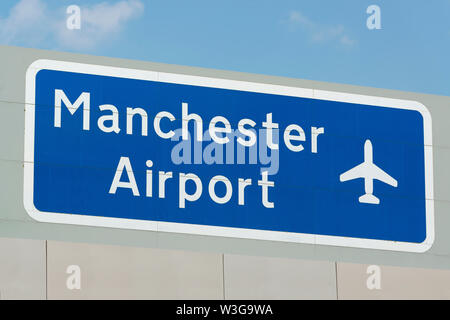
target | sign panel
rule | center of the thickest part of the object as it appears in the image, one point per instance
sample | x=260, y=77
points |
x=145, y=150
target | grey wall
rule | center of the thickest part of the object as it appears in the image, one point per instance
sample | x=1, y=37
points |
x=22, y=269
x=15, y=223
x=35, y=269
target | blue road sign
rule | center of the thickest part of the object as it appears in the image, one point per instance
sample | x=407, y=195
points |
x=146, y=150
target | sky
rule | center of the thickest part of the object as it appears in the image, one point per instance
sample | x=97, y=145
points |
x=324, y=40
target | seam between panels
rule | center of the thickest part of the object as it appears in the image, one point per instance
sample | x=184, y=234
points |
x=336, y=279
x=223, y=276
x=46, y=269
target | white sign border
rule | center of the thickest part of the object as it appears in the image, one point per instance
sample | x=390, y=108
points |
x=121, y=223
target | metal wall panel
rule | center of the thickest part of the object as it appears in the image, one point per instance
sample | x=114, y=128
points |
x=118, y=272
x=395, y=283
x=248, y=277
x=22, y=269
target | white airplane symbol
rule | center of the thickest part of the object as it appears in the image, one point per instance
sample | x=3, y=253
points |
x=369, y=171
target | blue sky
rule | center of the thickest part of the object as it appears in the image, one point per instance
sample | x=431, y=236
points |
x=323, y=40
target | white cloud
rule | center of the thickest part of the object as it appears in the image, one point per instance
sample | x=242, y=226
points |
x=318, y=32
x=22, y=21
x=30, y=22
x=298, y=17
x=99, y=22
